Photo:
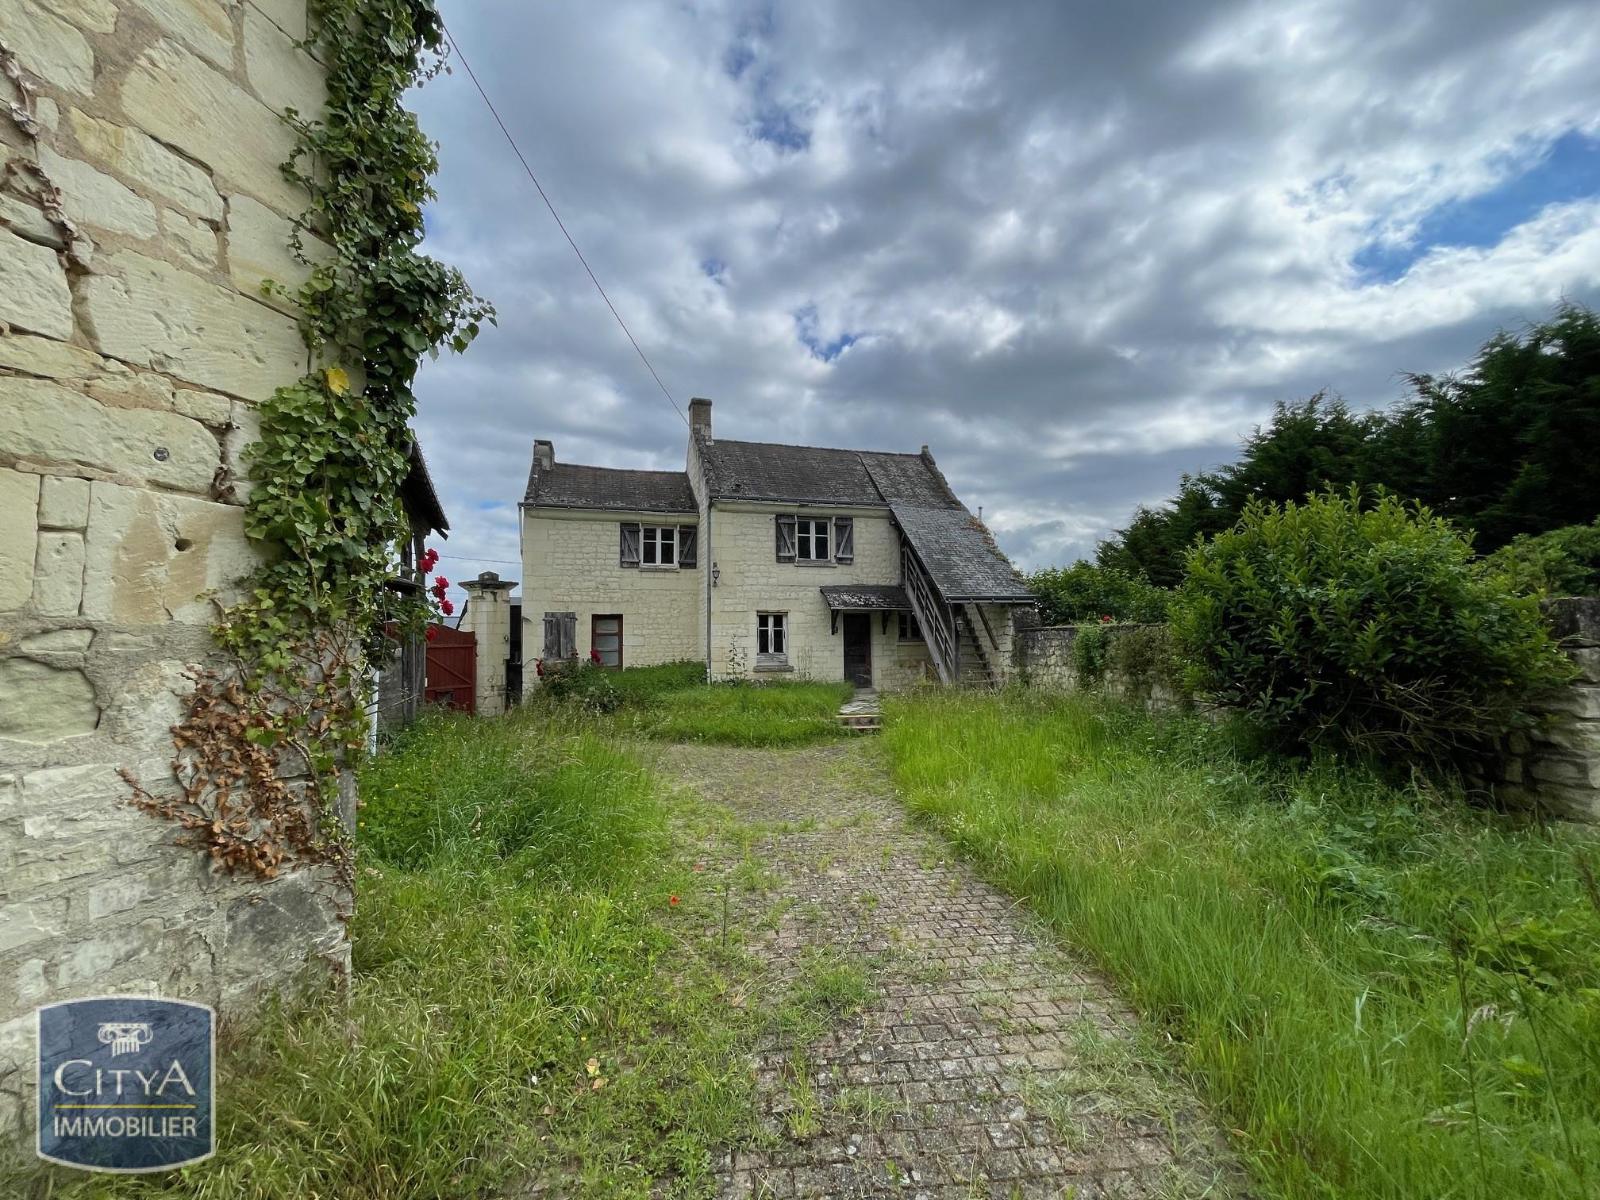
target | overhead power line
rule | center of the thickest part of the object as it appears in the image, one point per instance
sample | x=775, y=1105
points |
x=515, y=149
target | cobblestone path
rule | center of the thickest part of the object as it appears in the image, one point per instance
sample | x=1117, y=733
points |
x=979, y=1060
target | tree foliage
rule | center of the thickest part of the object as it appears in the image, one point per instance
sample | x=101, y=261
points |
x=1362, y=626
x=1086, y=592
x=1563, y=562
x=1503, y=449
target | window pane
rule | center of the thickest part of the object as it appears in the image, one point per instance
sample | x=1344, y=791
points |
x=607, y=624
x=780, y=634
x=821, y=539
x=669, y=547
x=761, y=636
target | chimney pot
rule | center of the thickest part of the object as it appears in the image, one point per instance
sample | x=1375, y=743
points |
x=544, y=454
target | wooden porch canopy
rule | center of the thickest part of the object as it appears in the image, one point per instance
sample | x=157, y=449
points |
x=885, y=598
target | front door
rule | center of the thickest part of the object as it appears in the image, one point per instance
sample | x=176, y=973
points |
x=858, y=649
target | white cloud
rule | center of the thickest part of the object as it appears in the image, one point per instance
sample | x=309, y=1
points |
x=1082, y=249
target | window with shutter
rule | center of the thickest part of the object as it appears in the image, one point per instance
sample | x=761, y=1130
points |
x=844, y=539
x=629, y=556
x=569, y=635
x=686, y=545
x=552, y=635
x=785, y=526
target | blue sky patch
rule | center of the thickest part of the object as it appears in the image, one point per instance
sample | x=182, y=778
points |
x=1569, y=170
x=805, y=326
x=777, y=125
x=714, y=269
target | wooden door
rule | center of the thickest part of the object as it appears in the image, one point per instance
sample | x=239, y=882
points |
x=858, y=648
x=452, y=669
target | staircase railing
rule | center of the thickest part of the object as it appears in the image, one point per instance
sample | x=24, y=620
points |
x=985, y=664
x=933, y=616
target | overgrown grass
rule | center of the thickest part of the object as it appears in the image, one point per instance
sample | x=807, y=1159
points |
x=523, y=1005
x=1385, y=993
x=768, y=714
x=673, y=703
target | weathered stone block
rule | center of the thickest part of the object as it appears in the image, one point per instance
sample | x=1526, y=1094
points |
x=1571, y=771
x=1581, y=701
x=44, y=421
x=29, y=924
x=58, y=574
x=92, y=198
x=46, y=356
x=177, y=98
x=58, y=641
x=205, y=26
x=195, y=240
x=33, y=288
x=152, y=555
x=206, y=407
x=46, y=46
x=63, y=502
x=258, y=250
x=41, y=703
x=281, y=74
x=27, y=220
x=147, y=162
x=155, y=315
x=19, y=536
x=99, y=16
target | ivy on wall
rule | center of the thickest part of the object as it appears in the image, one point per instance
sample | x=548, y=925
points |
x=260, y=751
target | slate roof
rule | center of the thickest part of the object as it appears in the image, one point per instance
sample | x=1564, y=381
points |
x=959, y=554
x=879, y=597
x=793, y=474
x=567, y=485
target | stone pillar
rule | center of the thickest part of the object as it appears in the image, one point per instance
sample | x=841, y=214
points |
x=488, y=617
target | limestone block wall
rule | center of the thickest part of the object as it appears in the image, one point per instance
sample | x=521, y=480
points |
x=135, y=345
x=751, y=580
x=570, y=564
x=1046, y=658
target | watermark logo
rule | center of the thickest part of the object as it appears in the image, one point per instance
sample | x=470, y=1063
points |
x=126, y=1083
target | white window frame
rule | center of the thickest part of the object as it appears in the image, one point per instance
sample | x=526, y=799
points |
x=660, y=542
x=807, y=532
x=772, y=630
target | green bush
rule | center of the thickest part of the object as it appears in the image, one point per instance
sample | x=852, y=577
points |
x=1143, y=659
x=1562, y=562
x=1086, y=592
x=1090, y=650
x=1363, y=627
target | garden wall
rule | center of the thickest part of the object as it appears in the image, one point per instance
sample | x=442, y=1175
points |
x=1555, y=768
x=141, y=207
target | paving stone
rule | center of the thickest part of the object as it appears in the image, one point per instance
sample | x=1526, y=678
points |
x=974, y=1004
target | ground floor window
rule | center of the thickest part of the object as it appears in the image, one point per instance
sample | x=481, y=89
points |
x=605, y=635
x=909, y=632
x=772, y=637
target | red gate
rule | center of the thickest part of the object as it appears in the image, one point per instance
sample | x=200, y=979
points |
x=452, y=668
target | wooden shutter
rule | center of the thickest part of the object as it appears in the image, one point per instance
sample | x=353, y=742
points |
x=552, y=635
x=844, y=539
x=569, y=635
x=629, y=556
x=686, y=545
x=785, y=525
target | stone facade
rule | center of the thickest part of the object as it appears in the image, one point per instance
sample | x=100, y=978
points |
x=134, y=343
x=1046, y=657
x=570, y=564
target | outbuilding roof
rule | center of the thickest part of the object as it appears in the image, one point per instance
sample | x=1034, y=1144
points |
x=567, y=485
x=877, y=597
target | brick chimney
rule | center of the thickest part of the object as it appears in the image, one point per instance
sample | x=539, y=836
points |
x=544, y=454
x=700, y=416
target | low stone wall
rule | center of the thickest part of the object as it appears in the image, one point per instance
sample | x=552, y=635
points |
x=1048, y=657
x=1554, y=768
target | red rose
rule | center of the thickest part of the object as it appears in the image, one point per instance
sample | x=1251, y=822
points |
x=594, y=656
x=440, y=582
x=432, y=632
x=1105, y=620
x=672, y=900
x=446, y=607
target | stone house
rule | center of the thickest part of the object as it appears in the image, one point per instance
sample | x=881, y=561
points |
x=767, y=562
x=141, y=208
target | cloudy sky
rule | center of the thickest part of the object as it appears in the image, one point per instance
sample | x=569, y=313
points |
x=1076, y=248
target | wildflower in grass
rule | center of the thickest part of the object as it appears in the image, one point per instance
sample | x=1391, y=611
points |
x=673, y=901
x=593, y=1067
x=698, y=867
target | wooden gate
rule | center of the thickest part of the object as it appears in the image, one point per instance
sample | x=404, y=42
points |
x=452, y=672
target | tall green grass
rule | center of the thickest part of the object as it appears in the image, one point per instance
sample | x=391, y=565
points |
x=512, y=926
x=768, y=714
x=1383, y=992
